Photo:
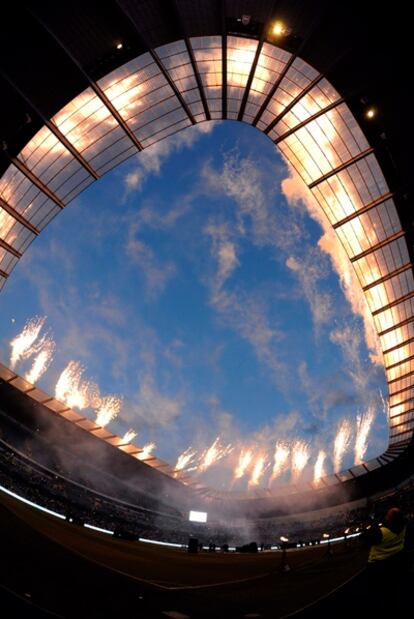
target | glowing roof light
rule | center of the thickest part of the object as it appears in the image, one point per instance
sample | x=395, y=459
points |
x=279, y=29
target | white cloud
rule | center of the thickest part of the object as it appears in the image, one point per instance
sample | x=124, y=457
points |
x=157, y=273
x=150, y=160
x=310, y=270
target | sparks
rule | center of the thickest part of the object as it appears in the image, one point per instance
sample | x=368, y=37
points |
x=245, y=459
x=146, y=451
x=280, y=459
x=213, y=454
x=109, y=408
x=300, y=457
x=128, y=437
x=258, y=470
x=70, y=388
x=22, y=344
x=319, y=470
x=364, y=423
x=42, y=361
x=185, y=459
x=341, y=443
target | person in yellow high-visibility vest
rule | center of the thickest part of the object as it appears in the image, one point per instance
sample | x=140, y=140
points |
x=388, y=540
x=387, y=567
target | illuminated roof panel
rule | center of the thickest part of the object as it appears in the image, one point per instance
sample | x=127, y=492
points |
x=208, y=54
x=176, y=60
x=298, y=77
x=316, y=100
x=272, y=61
x=240, y=57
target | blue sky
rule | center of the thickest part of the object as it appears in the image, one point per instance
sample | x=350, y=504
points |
x=185, y=282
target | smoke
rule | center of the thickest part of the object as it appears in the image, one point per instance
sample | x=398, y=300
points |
x=295, y=190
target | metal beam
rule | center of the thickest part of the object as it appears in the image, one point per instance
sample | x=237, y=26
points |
x=364, y=209
x=305, y=91
x=398, y=325
x=390, y=275
x=317, y=20
x=397, y=346
x=52, y=127
x=18, y=217
x=157, y=60
x=223, y=60
x=250, y=79
x=394, y=393
x=272, y=91
x=395, y=365
x=10, y=249
x=406, y=401
x=97, y=90
x=192, y=59
x=395, y=380
x=406, y=297
x=305, y=122
x=198, y=78
x=341, y=167
x=249, y=82
x=3, y=274
x=294, y=101
x=36, y=181
x=378, y=245
x=409, y=431
x=402, y=414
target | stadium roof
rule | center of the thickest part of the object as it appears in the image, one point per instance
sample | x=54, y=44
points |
x=86, y=84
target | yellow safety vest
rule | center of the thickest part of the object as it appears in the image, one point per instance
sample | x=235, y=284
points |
x=391, y=544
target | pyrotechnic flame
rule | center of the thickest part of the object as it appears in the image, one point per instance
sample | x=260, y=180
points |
x=213, y=454
x=21, y=345
x=108, y=409
x=341, y=443
x=280, y=459
x=185, y=459
x=319, y=470
x=42, y=360
x=128, y=437
x=146, y=451
x=245, y=459
x=76, y=392
x=258, y=470
x=364, y=423
x=300, y=457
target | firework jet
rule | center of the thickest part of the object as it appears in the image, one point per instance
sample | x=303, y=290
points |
x=319, y=470
x=245, y=459
x=258, y=470
x=146, y=451
x=364, y=423
x=280, y=460
x=108, y=409
x=22, y=344
x=185, y=459
x=300, y=457
x=77, y=393
x=341, y=443
x=213, y=454
x=42, y=360
x=128, y=437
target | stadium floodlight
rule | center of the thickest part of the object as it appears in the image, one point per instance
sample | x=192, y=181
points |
x=197, y=516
